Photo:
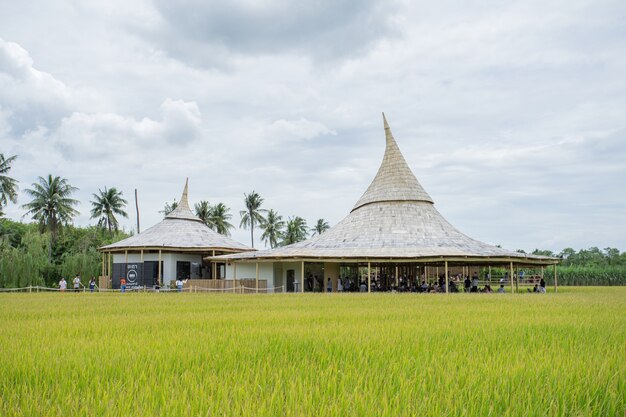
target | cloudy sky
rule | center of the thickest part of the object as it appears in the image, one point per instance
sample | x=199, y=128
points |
x=511, y=114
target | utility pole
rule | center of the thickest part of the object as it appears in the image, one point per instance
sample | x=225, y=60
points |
x=137, y=208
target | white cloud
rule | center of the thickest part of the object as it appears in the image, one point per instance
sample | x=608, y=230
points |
x=510, y=114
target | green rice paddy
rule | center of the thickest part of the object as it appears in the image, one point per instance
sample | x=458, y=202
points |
x=314, y=354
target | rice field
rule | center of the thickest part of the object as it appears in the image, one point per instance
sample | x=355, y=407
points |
x=314, y=354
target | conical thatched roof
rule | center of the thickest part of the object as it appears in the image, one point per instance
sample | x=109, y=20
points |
x=181, y=230
x=394, y=219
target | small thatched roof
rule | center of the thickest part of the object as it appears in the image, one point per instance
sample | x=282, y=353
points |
x=180, y=231
x=394, y=219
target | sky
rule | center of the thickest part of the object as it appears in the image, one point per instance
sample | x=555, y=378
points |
x=512, y=115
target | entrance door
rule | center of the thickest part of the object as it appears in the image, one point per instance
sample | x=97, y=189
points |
x=291, y=278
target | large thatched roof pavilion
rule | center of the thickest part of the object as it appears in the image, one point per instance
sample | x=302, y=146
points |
x=173, y=248
x=394, y=228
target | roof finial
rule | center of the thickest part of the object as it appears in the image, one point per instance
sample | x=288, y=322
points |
x=394, y=180
x=183, y=210
x=184, y=198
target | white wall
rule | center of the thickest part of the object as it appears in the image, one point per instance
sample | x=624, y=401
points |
x=247, y=270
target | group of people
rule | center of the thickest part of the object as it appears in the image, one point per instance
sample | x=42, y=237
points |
x=77, y=283
x=470, y=285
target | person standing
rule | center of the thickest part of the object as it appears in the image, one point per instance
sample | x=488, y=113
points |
x=179, y=285
x=123, y=284
x=329, y=285
x=62, y=284
x=157, y=285
x=339, y=285
x=474, y=283
x=76, y=283
x=92, y=284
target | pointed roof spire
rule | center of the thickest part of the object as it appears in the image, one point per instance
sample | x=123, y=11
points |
x=395, y=180
x=182, y=210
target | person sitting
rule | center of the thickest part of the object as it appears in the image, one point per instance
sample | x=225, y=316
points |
x=541, y=290
x=424, y=287
x=501, y=289
x=363, y=287
x=487, y=289
x=467, y=284
x=453, y=287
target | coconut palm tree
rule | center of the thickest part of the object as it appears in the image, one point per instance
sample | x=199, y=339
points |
x=168, y=208
x=203, y=211
x=297, y=231
x=220, y=217
x=252, y=216
x=320, y=227
x=106, y=205
x=8, y=186
x=272, y=228
x=51, y=205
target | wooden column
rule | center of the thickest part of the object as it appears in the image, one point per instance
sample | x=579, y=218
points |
x=103, y=256
x=489, y=274
x=446, y=283
x=160, y=274
x=257, y=277
x=397, y=281
x=302, y=279
x=369, y=277
x=126, y=256
x=511, y=277
x=234, y=275
x=555, y=279
x=109, y=264
x=213, y=268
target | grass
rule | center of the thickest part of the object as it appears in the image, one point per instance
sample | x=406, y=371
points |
x=314, y=355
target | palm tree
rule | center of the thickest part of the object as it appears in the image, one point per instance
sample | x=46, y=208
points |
x=106, y=205
x=8, y=186
x=272, y=228
x=219, y=218
x=251, y=216
x=168, y=208
x=297, y=231
x=51, y=205
x=320, y=227
x=203, y=211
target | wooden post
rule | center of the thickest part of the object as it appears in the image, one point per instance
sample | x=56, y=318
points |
x=541, y=271
x=555, y=279
x=302, y=279
x=257, y=277
x=234, y=276
x=160, y=274
x=489, y=274
x=397, y=277
x=511, y=277
x=109, y=264
x=214, y=268
x=369, y=277
x=517, y=279
x=446, y=283
x=126, y=256
x=103, y=256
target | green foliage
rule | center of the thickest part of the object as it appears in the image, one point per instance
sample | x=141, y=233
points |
x=252, y=216
x=106, y=205
x=24, y=264
x=215, y=217
x=24, y=260
x=8, y=185
x=310, y=355
x=273, y=228
x=296, y=231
